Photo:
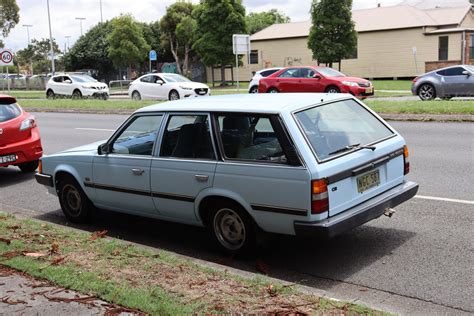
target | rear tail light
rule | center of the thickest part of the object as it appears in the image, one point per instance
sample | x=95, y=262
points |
x=406, y=161
x=319, y=196
x=416, y=79
x=28, y=123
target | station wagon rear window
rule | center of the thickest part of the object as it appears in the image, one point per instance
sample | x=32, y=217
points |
x=9, y=112
x=335, y=128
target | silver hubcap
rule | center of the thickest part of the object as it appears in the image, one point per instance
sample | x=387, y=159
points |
x=426, y=92
x=136, y=96
x=332, y=90
x=254, y=90
x=73, y=199
x=229, y=229
x=273, y=91
x=174, y=96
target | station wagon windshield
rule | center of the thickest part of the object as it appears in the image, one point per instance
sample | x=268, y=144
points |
x=335, y=128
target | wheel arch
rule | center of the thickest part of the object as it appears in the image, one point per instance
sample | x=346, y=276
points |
x=62, y=171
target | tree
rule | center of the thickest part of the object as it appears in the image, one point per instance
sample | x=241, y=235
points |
x=91, y=51
x=179, y=32
x=258, y=21
x=332, y=36
x=127, y=45
x=217, y=21
x=37, y=53
x=9, y=16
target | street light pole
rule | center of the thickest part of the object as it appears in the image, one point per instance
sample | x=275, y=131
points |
x=80, y=20
x=28, y=31
x=53, y=67
x=101, y=18
x=67, y=39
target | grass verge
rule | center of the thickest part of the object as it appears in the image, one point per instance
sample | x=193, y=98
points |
x=422, y=107
x=392, y=85
x=157, y=283
x=27, y=94
x=86, y=104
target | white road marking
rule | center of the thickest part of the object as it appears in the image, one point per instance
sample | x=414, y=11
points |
x=95, y=129
x=434, y=198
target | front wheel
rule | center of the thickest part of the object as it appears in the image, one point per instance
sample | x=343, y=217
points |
x=76, y=94
x=426, y=92
x=75, y=204
x=273, y=90
x=333, y=89
x=174, y=95
x=50, y=94
x=233, y=229
x=30, y=166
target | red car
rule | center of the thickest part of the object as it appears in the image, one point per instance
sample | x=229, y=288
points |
x=20, y=142
x=314, y=79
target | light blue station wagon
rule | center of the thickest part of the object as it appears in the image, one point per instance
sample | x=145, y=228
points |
x=317, y=164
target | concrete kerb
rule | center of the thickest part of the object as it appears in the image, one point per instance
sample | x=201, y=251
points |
x=386, y=116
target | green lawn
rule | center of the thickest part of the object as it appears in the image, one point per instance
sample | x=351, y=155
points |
x=422, y=107
x=392, y=85
x=100, y=105
x=154, y=281
x=27, y=94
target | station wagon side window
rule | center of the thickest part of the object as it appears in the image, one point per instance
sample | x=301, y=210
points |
x=187, y=136
x=250, y=137
x=139, y=137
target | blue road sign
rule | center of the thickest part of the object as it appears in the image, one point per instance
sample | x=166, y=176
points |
x=153, y=55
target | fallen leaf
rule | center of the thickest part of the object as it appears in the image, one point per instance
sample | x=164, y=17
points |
x=98, y=234
x=57, y=261
x=7, y=300
x=271, y=290
x=261, y=266
x=54, y=248
x=35, y=254
x=5, y=240
x=11, y=254
x=14, y=227
x=363, y=290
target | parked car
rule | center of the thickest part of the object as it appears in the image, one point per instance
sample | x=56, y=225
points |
x=314, y=164
x=315, y=79
x=445, y=83
x=253, y=85
x=166, y=86
x=76, y=86
x=20, y=141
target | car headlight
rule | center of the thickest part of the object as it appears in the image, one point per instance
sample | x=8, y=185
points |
x=350, y=83
x=27, y=124
x=86, y=87
x=186, y=88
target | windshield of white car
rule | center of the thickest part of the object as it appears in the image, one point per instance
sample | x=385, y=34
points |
x=329, y=72
x=175, y=78
x=470, y=68
x=341, y=126
x=83, y=78
x=9, y=112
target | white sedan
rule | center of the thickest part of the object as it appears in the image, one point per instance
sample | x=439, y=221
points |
x=166, y=86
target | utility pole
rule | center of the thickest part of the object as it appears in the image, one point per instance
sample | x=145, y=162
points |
x=67, y=39
x=101, y=18
x=28, y=31
x=80, y=20
x=53, y=67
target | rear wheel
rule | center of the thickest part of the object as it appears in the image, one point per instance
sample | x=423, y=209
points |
x=50, y=94
x=174, y=95
x=75, y=204
x=254, y=89
x=76, y=94
x=136, y=96
x=29, y=166
x=332, y=89
x=427, y=92
x=273, y=90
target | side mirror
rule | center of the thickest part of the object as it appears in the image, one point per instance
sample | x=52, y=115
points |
x=104, y=149
x=160, y=82
x=317, y=76
x=67, y=81
x=466, y=73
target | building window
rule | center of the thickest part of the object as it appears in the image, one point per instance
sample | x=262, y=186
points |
x=471, y=47
x=443, y=48
x=254, y=57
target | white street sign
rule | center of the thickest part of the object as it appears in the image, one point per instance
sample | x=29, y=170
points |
x=6, y=57
x=241, y=43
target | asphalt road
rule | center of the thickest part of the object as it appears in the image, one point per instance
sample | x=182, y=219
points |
x=420, y=261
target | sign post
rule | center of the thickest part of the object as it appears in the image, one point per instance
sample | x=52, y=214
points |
x=6, y=59
x=240, y=45
x=413, y=49
x=152, y=57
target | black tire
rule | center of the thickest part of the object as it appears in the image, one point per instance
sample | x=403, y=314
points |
x=173, y=96
x=273, y=90
x=233, y=229
x=50, y=94
x=427, y=92
x=332, y=89
x=105, y=97
x=76, y=94
x=29, y=166
x=75, y=204
x=136, y=96
x=254, y=89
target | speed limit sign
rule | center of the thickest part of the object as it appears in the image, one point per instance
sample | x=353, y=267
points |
x=6, y=57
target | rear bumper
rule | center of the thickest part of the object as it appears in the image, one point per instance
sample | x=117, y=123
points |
x=359, y=214
x=26, y=150
x=44, y=179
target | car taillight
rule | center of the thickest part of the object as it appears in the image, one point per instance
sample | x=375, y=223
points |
x=319, y=196
x=406, y=162
x=28, y=123
x=416, y=79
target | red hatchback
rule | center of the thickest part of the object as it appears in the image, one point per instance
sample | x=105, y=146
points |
x=315, y=79
x=20, y=142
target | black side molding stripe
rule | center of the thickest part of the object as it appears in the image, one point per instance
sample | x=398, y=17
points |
x=272, y=209
x=365, y=167
x=140, y=192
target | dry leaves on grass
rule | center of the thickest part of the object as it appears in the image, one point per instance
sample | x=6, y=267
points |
x=5, y=240
x=98, y=234
x=14, y=227
x=7, y=300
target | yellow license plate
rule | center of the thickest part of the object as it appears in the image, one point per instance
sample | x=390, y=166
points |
x=369, y=90
x=368, y=180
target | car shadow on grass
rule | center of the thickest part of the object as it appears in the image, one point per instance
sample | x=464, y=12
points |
x=12, y=175
x=316, y=263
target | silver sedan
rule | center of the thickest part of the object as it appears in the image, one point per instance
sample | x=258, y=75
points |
x=445, y=83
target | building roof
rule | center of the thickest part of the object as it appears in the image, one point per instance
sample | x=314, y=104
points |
x=376, y=19
x=250, y=103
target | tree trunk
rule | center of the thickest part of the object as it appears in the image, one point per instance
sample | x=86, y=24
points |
x=222, y=75
x=187, y=50
x=174, y=51
x=339, y=65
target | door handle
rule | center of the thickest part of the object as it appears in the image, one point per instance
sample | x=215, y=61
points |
x=138, y=172
x=201, y=177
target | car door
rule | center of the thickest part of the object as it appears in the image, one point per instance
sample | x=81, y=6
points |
x=145, y=86
x=68, y=86
x=121, y=178
x=59, y=86
x=309, y=83
x=183, y=166
x=158, y=88
x=454, y=81
x=288, y=80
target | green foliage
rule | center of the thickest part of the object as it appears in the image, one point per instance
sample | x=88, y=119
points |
x=217, y=21
x=37, y=52
x=9, y=16
x=258, y=21
x=332, y=36
x=91, y=51
x=127, y=45
x=152, y=34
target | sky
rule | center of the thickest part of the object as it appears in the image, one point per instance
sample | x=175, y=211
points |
x=65, y=12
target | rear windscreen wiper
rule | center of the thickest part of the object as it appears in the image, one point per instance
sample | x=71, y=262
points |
x=349, y=147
